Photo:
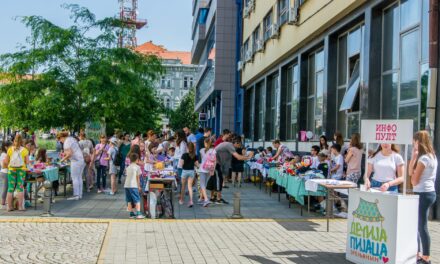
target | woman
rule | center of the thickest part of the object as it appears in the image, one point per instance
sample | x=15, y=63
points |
x=188, y=162
x=339, y=139
x=124, y=148
x=113, y=169
x=181, y=148
x=282, y=151
x=423, y=171
x=16, y=160
x=101, y=160
x=354, y=159
x=73, y=152
x=388, y=168
x=323, y=144
x=86, y=146
x=4, y=172
x=207, y=169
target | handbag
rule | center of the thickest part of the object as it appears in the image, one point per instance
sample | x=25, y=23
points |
x=97, y=161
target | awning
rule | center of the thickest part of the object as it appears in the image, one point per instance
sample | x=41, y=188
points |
x=353, y=88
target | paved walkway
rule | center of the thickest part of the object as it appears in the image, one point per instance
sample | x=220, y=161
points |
x=178, y=241
x=255, y=203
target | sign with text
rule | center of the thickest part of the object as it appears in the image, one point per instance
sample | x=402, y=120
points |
x=387, y=131
x=376, y=233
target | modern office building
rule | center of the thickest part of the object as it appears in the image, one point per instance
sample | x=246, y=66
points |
x=179, y=76
x=322, y=66
x=215, y=44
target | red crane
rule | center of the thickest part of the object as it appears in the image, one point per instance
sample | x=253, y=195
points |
x=128, y=15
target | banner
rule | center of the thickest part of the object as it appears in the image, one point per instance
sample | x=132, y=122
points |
x=387, y=131
x=94, y=130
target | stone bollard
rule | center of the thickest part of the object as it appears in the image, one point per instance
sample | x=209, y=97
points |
x=47, y=199
x=236, y=213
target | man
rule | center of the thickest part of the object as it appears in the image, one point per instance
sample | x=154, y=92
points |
x=224, y=153
x=201, y=140
x=224, y=137
x=190, y=137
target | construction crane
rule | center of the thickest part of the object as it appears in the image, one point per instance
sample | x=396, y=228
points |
x=128, y=12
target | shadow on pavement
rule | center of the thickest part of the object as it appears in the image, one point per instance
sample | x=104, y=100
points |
x=301, y=257
x=303, y=225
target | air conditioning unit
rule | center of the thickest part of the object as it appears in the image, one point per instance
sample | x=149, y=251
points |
x=240, y=65
x=245, y=11
x=294, y=15
x=248, y=55
x=274, y=31
x=259, y=46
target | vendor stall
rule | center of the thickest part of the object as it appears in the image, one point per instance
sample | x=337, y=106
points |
x=382, y=226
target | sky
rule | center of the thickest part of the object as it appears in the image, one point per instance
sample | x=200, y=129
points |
x=169, y=21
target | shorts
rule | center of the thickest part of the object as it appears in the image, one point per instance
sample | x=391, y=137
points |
x=113, y=169
x=204, y=177
x=354, y=177
x=132, y=196
x=16, y=180
x=188, y=174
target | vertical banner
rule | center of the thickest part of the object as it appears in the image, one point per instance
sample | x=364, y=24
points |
x=95, y=129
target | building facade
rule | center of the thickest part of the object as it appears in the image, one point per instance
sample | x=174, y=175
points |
x=322, y=66
x=179, y=76
x=215, y=44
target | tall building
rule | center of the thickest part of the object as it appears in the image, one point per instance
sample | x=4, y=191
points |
x=322, y=66
x=215, y=39
x=179, y=76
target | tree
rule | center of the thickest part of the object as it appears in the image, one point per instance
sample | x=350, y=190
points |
x=68, y=76
x=184, y=115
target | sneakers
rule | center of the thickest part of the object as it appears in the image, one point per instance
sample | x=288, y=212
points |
x=206, y=203
x=132, y=215
x=99, y=191
x=111, y=193
x=73, y=198
x=190, y=205
x=140, y=216
x=221, y=201
x=422, y=261
x=181, y=202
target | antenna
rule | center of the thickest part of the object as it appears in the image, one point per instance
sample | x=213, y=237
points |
x=128, y=11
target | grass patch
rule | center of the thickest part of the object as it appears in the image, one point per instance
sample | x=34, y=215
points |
x=48, y=144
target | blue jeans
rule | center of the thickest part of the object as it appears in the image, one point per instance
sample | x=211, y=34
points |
x=121, y=169
x=102, y=174
x=378, y=184
x=426, y=200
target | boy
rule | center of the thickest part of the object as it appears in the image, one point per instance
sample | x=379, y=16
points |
x=323, y=165
x=133, y=187
x=337, y=168
x=314, y=153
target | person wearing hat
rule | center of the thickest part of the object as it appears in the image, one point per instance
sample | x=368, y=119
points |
x=113, y=169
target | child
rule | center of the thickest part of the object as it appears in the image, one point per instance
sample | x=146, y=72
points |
x=314, y=153
x=323, y=165
x=207, y=169
x=133, y=187
x=237, y=165
x=187, y=162
x=4, y=173
x=337, y=168
x=113, y=169
x=41, y=156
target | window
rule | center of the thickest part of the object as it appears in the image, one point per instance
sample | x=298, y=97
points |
x=267, y=23
x=163, y=82
x=245, y=50
x=404, y=82
x=283, y=11
x=185, y=82
x=191, y=82
x=349, y=78
x=271, y=108
x=315, y=93
x=291, y=96
x=167, y=103
x=247, y=112
x=255, y=37
x=168, y=83
x=260, y=100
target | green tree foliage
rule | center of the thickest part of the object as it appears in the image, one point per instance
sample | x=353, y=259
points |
x=184, y=115
x=67, y=76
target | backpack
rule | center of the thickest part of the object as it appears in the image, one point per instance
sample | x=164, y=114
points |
x=209, y=164
x=119, y=159
x=16, y=158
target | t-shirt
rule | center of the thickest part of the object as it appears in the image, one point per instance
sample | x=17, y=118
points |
x=315, y=162
x=112, y=153
x=338, y=160
x=86, y=146
x=427, y=179
x=2, y=158
x=188, y=162
x=180, y=150
x=224, y=154
x=218, y=141
x=103, y=160
x=385, y=167
x=354, y=164
x=191, y=138
x=133, y=170
x=125, y=148
x=324, y=168
x=235, y=161
x=72, y=144
x=24, y=153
